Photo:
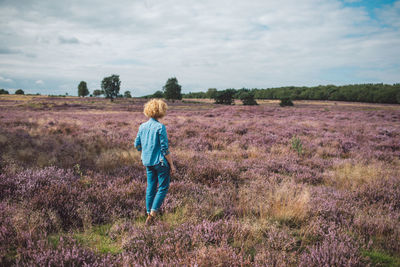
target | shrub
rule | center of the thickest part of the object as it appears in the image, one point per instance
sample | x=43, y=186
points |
x=297, y=145
x=98, y=92
x=3, y=92
x=247, y=98
x=158, y=94
x=285, y=101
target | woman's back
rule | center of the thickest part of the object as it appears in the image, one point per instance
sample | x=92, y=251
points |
x=153, y=141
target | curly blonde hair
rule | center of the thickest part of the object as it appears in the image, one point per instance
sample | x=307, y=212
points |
x=155, y=108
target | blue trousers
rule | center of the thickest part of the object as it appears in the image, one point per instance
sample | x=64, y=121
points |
x=157, y=174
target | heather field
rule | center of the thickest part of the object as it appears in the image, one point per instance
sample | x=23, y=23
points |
x=317, y=184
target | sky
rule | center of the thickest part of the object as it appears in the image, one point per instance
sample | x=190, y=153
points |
x=49, y=46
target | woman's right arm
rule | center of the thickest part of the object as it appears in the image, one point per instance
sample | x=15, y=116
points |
x=171, y=163
x=165, y=149
x=138, y=143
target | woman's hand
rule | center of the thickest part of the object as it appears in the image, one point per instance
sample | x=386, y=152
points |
x=171, y=163
x=173, y=169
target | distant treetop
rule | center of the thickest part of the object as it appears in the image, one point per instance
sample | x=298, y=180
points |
x=82, y=89
x=19, y=92
x=172, y=89
x=110, y=86
x=4, y=92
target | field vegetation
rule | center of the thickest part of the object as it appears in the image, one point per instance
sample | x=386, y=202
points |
x=315, y=184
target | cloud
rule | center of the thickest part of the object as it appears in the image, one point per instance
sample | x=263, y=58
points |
x=7, y=80
x=40, y=82
x=203, y=43
x=71, y=40
x=390, y=15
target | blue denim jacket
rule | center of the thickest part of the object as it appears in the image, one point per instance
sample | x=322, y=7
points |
x=152, y=140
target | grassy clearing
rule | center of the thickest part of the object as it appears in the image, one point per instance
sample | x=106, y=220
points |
x=350, y=176
x=96, y=238
x=284, y=202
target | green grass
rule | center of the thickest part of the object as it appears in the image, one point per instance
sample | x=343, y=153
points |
x=54, y=239
x=97, y=238
x=383, y=259
x=177, y=217
x=297, y=145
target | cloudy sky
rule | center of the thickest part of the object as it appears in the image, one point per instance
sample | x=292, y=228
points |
x=49, y=46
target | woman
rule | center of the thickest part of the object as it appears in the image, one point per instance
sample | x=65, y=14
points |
x=152, y=141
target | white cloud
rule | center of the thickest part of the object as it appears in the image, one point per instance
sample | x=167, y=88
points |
x=7, y=80
x=40, y=82
x=203, y=43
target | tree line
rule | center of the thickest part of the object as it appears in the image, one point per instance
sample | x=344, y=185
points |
x=110, y=87
x=372, y=93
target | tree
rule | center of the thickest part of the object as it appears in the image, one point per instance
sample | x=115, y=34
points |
x=19, y=92
x=98, y=92
x=82, y=89
x=225, y=97
x=172, y=89
x=3, y=92
x=127, y=94
x=110, y=86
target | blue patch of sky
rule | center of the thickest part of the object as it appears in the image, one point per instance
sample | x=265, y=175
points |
x=344, y=75
x=368, y=5
x=353, y=75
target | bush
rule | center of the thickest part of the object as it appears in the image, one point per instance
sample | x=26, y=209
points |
x=225, y=97
x=297, y=145
x=247, y=98
x=286, y=101
x=98, y=92
x=158, y=94
x=19, y=92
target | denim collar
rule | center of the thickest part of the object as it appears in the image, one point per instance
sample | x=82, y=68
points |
x=153, y=119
